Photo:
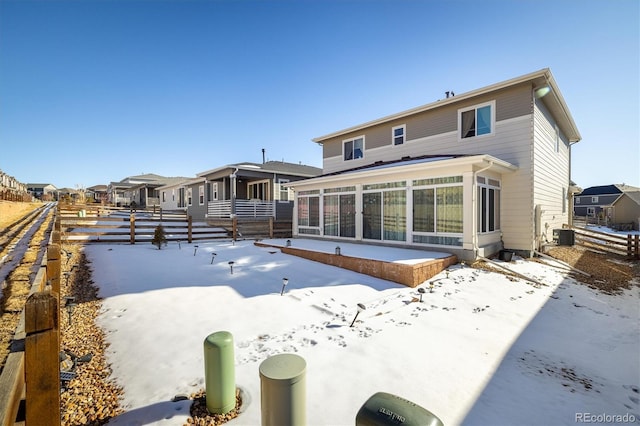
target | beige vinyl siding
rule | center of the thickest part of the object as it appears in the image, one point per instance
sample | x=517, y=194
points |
x=511, y=103
x=550, y=174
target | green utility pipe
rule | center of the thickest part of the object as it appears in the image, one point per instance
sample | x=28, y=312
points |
x=219, y=372
x=283, y=390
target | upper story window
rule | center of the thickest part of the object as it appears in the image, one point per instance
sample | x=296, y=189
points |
x=398, y=134
x=353, y=148
x=201, y=195
x=477, y=120
x=594, y=199
x=577, y=199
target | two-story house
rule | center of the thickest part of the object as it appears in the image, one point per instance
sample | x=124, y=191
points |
x=612, y=204
x=468, y=174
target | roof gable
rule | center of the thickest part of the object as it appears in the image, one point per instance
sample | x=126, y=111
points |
x=554, y=102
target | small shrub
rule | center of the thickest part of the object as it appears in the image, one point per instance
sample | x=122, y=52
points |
x=159, y=238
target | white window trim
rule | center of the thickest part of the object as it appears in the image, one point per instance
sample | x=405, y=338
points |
x=201, y=195
x=594, y=199
x=404, y=135
x=344, y=142
x=492, y=104
x=280, y=190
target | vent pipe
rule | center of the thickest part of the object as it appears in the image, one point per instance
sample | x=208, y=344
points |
x=263, y=161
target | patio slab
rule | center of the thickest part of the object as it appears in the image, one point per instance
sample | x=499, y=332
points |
x=404, y=266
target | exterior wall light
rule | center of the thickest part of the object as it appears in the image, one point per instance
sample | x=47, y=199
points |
x=285, y=281
x=361, y=308
x=541, y=91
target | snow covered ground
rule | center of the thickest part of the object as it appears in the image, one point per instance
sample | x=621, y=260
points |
x=481, y=349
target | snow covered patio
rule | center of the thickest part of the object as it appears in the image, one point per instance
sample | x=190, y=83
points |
x=483, y=348
x=404, y=266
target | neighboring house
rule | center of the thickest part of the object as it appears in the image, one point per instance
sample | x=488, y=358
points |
x=43, y=191
x=173, y=196
x=147, y=194
x=121, y=193
x=97, y=193
x=614, y=204
x=245, y=190
x=466, y=174
x=12, y=189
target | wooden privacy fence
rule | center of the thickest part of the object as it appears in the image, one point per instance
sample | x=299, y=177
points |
x=86, y=224
x=623, y=245
x=32, y=369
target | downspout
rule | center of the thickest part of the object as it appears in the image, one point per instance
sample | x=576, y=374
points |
x=474, y=215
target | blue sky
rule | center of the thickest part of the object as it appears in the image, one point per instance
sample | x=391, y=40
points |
x=94, y=91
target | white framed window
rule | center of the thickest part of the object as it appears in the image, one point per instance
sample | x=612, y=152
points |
x=201, y=195
x=591, y=211
x=258, y=190
x=213, y=191
x=164, y=196
x=398, y=134
x=478, y=120
x=577, y=200
x=594, y=199
x=189, y=196
x=488, y=205
x=282, y=192
x=353, y=148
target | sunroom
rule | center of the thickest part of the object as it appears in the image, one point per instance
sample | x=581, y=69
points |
x=440, y=202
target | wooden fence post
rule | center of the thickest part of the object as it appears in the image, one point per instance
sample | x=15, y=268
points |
x=189, y=228
x=270, y=226
x=132, y=228
x=42, y=363
x=53, y=267
x=234, y=222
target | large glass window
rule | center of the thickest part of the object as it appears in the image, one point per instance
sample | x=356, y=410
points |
x=449, y=209
x=309, y=211
x=354, y=148
x=438, y=210
x=476, y=121
x=340, y=215
x=372, y=216
x=395, y=215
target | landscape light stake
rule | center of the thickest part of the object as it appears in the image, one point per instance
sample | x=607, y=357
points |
x=288, y=243
x=285, y=281
x=361, y=308
x=69, y=307
x=213, y=256
x=231, y=266
x=421, y=291
x=431, y=287
x=66, y=275
x=195, y=249
x=179, y=246
x=447, y=272
x=69, y=254
x=338, y=251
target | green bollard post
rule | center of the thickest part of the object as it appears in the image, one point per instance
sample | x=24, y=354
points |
x=219, y=372
x=283, y=390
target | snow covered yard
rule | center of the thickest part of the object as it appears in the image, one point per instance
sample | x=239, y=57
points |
x=483, y=348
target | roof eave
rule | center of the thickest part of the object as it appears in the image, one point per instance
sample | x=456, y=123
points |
x=543, y=73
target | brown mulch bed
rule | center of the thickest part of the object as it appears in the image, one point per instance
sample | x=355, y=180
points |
x=609, y=273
